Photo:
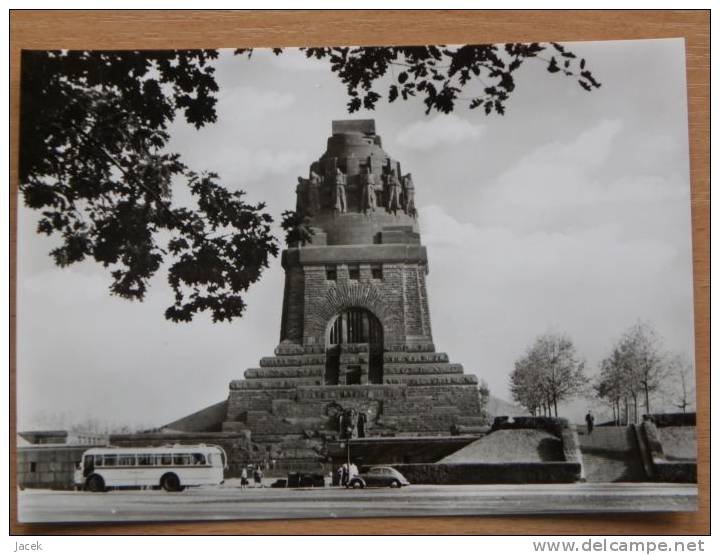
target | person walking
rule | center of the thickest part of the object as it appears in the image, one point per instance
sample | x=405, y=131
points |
x=590, y=421
x=243, y=478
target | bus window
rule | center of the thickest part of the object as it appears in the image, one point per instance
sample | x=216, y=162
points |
x=89, y=461
x=198, y=459
x=126, y=460
x=110, y=460
x=98, y=460
x=145, y=460
x=181, y=460
x=165, y=460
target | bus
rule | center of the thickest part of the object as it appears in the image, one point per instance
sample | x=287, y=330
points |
x=172, y=468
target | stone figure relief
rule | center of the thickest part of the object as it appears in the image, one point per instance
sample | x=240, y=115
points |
x=300, y=195
x=369, y=198
x=340, y=194
x=308, y=194
x=409, y=195
x=313, y=193
x=392, y=183
x=397, y=191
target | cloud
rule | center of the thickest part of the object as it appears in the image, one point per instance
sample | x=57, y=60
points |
x=249, y=103
x=252, y=165
x=65, y=287
x=564, y=186
x=442, y=130
x=493, y=289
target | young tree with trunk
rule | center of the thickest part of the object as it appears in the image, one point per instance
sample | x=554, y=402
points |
x=549, y=373
x=644, y=360
x=681, y=374
x=484, y=399
x=635, y=370
x=610, y=386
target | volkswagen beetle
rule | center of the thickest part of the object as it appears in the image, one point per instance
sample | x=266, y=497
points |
x=379, y=477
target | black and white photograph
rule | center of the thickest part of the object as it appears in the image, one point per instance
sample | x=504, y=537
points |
x=353, y=281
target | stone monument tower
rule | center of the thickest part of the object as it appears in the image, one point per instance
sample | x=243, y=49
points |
x=356, y=334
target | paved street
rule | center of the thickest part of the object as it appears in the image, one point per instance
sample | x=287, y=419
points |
x=232, y=503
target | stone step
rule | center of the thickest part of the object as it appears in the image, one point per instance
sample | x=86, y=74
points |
x=285, y=372
x=354, y=358
x=389, y=357
x=280, y=383
x=293, y=360
x=391, y=369
x=611, y=454
x=285, y=349
x=414, y=357
x=442, y=379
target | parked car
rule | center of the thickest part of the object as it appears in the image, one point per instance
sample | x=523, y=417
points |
x=379, y=477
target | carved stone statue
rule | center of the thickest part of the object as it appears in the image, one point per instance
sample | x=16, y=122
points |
x=369, y=199
x=313, y=193
x=300, y=195
x=393, y=188
x=340, y=196
x=308, y=194
x=409, y=195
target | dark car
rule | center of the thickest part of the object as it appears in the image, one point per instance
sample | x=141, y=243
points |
x=379, y=477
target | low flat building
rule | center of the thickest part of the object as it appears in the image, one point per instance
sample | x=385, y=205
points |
x=47, y=458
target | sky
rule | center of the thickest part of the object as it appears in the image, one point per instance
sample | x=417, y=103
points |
x=571, y=213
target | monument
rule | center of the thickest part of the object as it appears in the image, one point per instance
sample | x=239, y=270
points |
x=356, y=356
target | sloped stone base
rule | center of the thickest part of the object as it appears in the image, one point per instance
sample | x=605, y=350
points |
x=422, y=394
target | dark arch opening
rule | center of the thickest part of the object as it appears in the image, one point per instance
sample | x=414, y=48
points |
x=351, y=332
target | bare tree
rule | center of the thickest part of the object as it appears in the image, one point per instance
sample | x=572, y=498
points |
x=641, y=349
x=484, y=398
x=526, y=386
x=550, y=372
x=636, y=369
x=681, y=375
x=610, y=386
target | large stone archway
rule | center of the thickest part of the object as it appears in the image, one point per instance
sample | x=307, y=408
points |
x=354, y=348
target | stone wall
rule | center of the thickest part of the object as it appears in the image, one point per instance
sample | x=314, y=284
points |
x=393, y=408
x=293, y=305
x=49, y=466
x=665, y=470
x=398, y=299
x=491, y=473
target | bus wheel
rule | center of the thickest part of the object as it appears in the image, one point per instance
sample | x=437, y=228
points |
x=170, y=482
x=95, y=483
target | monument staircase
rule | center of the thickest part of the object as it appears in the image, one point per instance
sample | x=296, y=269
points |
x=611, y=454
x=421, y=393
